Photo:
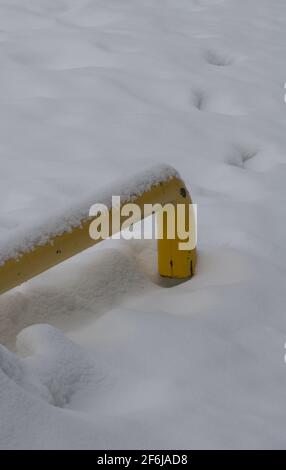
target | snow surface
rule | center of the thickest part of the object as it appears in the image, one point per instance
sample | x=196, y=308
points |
x=95, y=90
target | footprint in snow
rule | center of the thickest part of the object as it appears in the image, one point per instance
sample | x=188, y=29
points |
x=218, y=59
x=219, y=103
x=198, y=99
x=241, y=155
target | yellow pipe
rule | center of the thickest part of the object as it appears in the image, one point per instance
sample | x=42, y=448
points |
x=172, y=262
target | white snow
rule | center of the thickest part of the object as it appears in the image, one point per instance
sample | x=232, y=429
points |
x=111, y=356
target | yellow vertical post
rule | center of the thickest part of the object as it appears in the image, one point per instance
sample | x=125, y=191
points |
x=174, y=262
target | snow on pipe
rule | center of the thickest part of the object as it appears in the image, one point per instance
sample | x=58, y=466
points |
x=47, y=245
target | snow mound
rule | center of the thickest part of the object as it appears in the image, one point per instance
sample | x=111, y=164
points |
x=33, y=387
x=55, y=368
x=59, y=365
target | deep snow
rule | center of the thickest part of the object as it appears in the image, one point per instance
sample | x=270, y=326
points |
x=95, y=90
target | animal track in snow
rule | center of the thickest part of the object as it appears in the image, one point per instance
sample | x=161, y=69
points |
x=241, y=155
x=198, y=99
x=220, y=103
x=218, y=59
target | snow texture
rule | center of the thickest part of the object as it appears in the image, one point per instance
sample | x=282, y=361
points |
x=93, y=91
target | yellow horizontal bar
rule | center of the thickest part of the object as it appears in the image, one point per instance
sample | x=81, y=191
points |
x=171, y=261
